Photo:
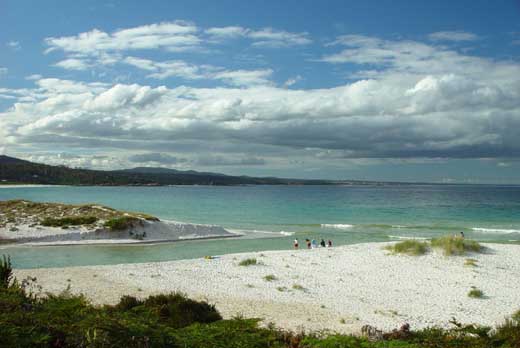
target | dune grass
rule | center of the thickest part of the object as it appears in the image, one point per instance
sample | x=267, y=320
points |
x=451, y=245
x=408, y=247
x=270, y=278
x=248, y=262
x=470, y=263
x=298, y=287
x=475, y=293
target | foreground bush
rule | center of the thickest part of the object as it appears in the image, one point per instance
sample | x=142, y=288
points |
x=451, y=245
x=172, y=320
x=409, y=247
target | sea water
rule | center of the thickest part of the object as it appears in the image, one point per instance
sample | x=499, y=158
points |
x=271, y=217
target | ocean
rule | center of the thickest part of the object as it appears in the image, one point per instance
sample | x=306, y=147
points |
x=271, y=217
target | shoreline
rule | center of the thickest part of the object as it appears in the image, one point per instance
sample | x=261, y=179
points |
x=339, y=289
x=103, y=242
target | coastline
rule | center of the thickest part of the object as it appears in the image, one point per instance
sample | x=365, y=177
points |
x=105, y=242
x=28, y=185
x=338, y=289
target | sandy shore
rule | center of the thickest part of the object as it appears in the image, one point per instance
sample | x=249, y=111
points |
x=339, y=289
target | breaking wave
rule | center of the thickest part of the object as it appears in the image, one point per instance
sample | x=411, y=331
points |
x=495, y=230
x=338, y=226
x=403, y=237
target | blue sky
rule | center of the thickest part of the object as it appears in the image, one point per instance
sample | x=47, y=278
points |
x=379, y=90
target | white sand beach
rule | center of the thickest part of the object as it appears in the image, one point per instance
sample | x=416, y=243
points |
x=339, y=289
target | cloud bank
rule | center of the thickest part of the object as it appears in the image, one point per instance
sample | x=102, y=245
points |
x=406, y=100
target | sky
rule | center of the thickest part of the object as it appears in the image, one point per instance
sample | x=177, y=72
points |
x=424, y=91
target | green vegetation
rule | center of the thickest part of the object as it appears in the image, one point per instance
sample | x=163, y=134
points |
x=270, y=278
x=122, y=223
x=470, y=263
x=409, y=247
x=69, y=221
x=17, y=212
x=298, y=287
x=451, y=245
x=248, y=262
x=18, y=171
x=475, y=293
x=6, y=272
x=173, y=320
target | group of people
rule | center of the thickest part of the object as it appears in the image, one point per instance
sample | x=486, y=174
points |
x=313, y=244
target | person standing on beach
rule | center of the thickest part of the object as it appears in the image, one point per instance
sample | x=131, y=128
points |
x=322, y=243
x=462, y=235
x=314, y=244
x=308, y=241
x=296, y=244
x=329, y=243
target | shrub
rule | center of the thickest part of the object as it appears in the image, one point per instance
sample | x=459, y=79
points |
x=248, y=262
x=409, y=247
x=68, y=221
x=67, y=320
x=451, y=245
x=127, y=303
x=121, y=223
x=475, y=293
x=176, y=310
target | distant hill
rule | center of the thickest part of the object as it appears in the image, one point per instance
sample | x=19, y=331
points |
x=10, y=160
x=159, y=170
x=14, y=170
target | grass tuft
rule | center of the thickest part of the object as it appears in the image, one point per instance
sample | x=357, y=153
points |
x=475, y=293
x=408, y=247
x=248, y=262
x=451, y=245
x=298, y=287
x=470, y=263
x=270, y=278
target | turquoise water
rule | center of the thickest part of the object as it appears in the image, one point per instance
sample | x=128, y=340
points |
x=345, y=214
